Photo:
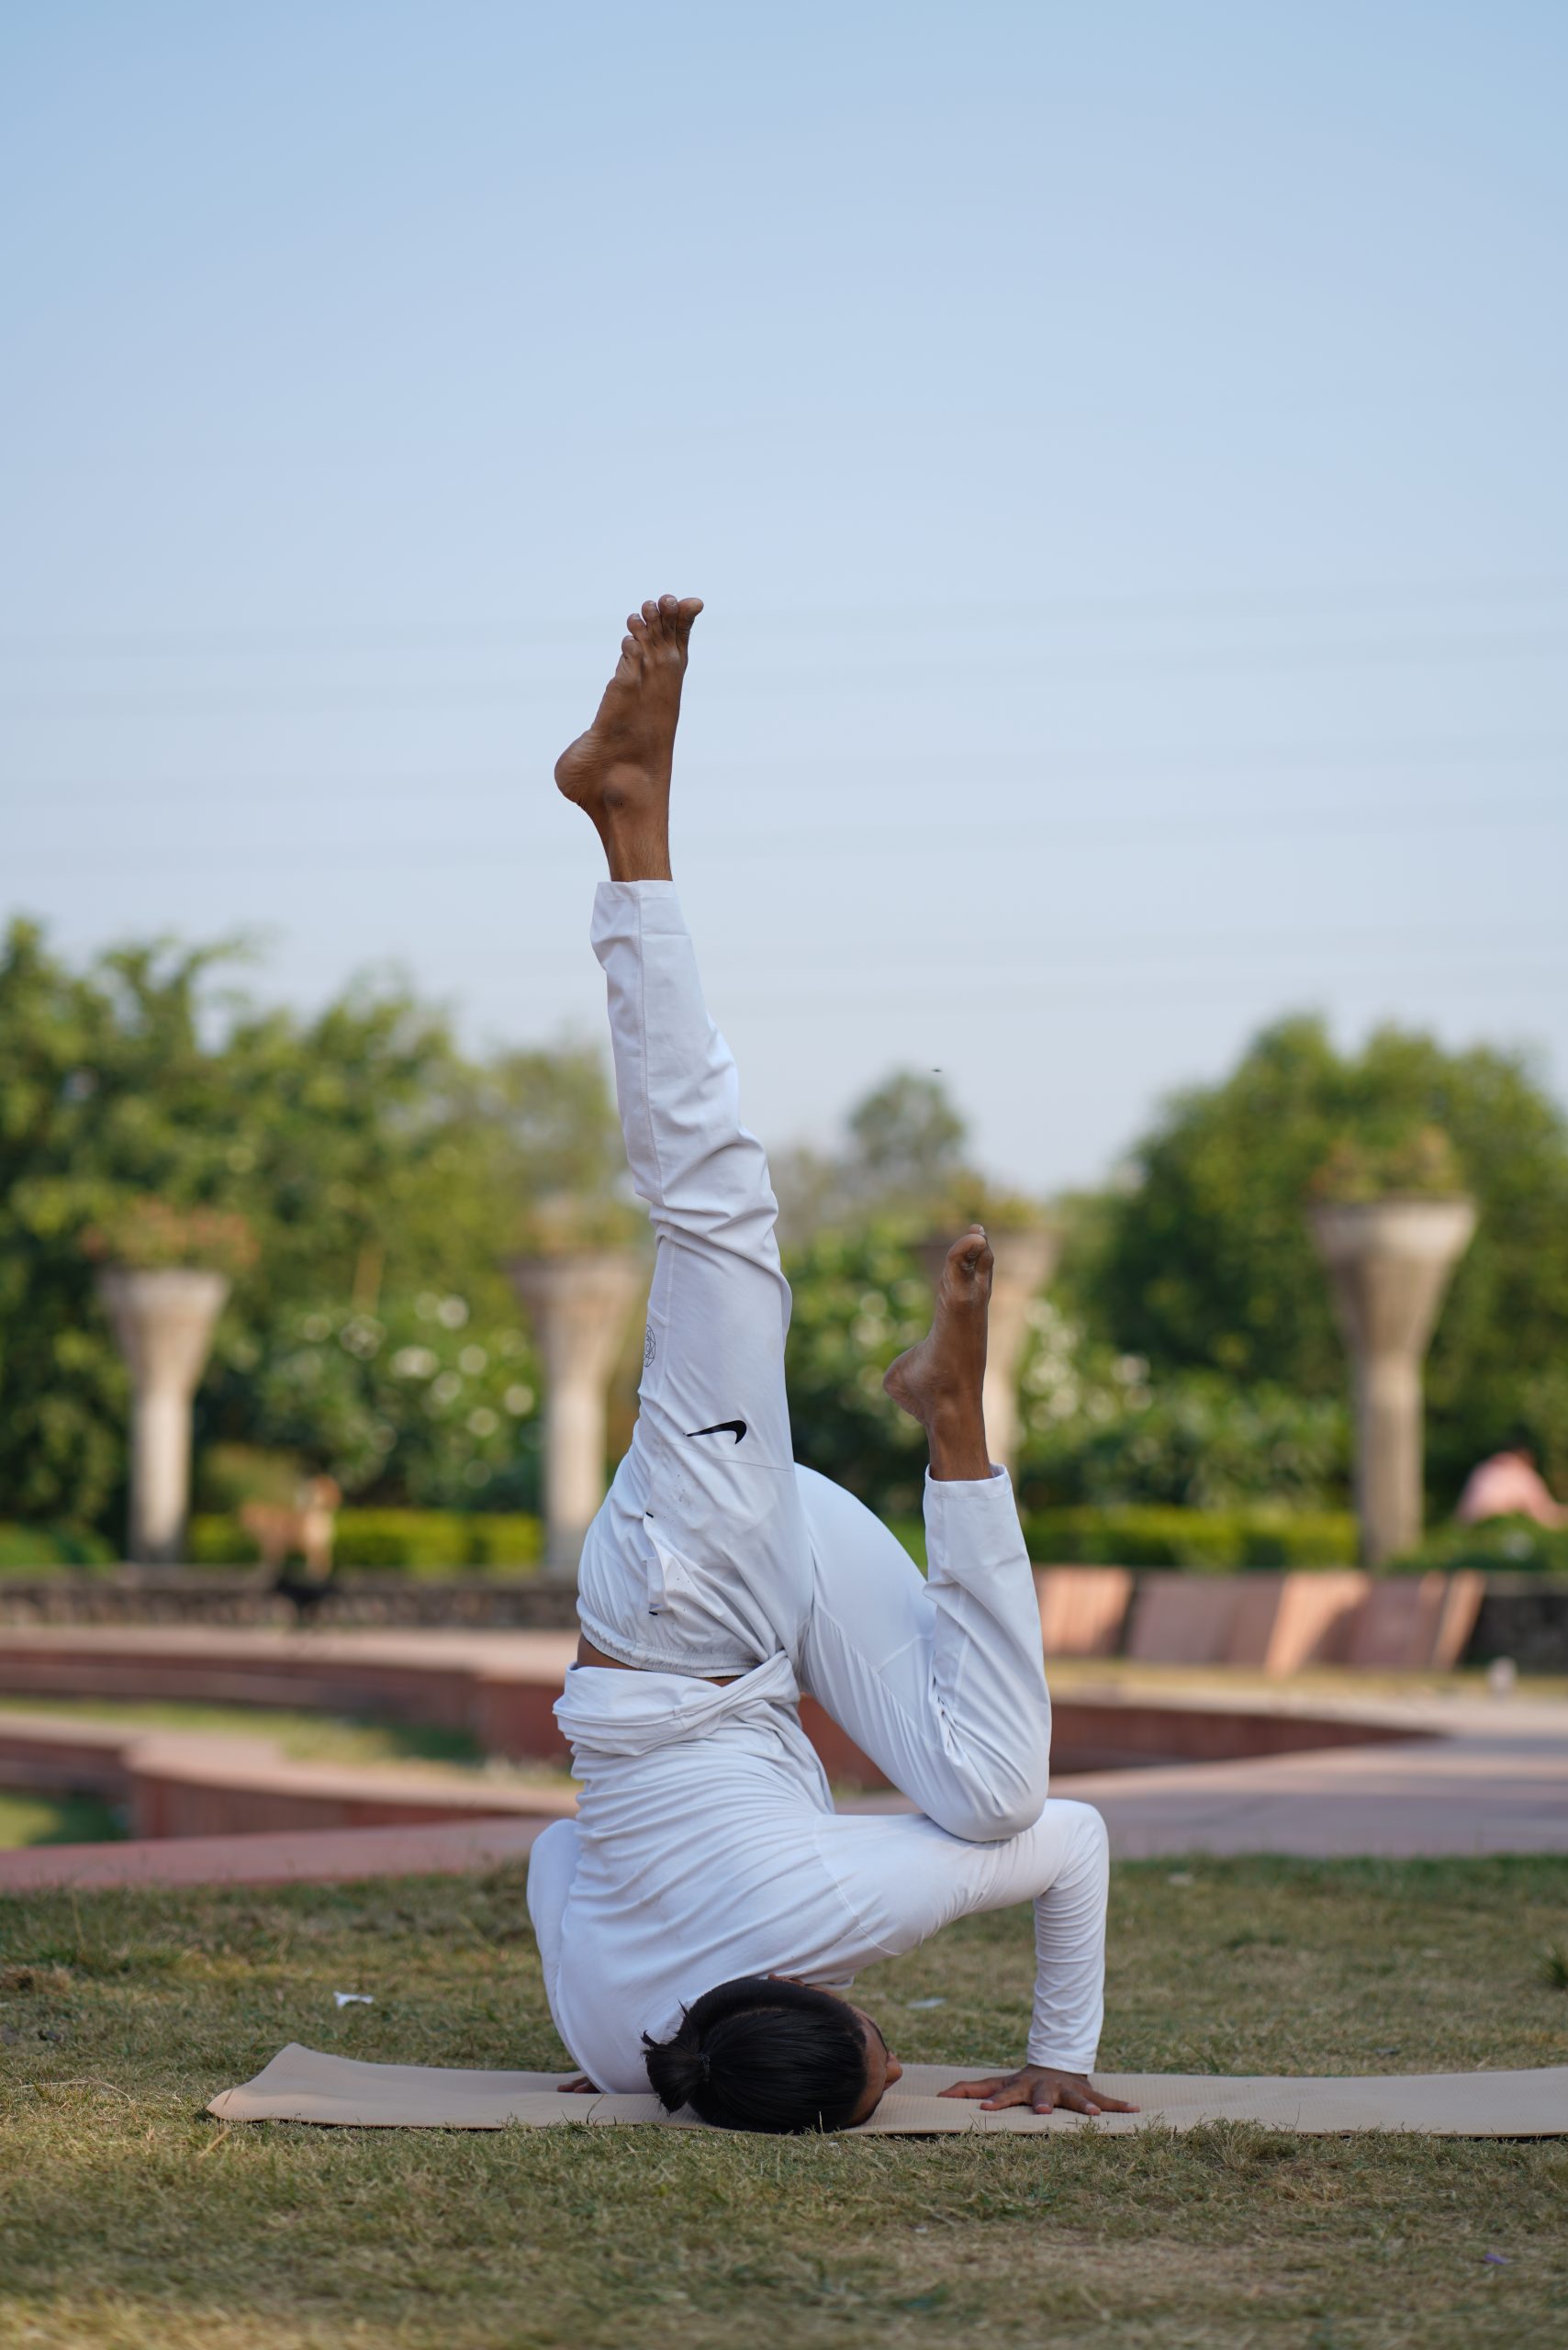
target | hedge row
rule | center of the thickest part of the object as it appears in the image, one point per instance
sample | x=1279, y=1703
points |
x=421, y=1542
x=1210, y=1541
x=1500, y=1546
x=25, y=1549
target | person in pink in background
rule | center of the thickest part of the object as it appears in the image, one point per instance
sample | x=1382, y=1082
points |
x=1509, y=1485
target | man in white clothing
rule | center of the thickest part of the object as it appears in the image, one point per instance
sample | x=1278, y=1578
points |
x=701, y=1919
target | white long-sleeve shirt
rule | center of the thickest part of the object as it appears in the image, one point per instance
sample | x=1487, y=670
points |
x=707, y=1847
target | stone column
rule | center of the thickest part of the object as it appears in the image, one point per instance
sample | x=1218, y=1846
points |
x=580, y=1303
x=1024, y=1262
x=1389, y=1263
x=163, y=1323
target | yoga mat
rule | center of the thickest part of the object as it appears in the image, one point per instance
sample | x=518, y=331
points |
x=304, y=2084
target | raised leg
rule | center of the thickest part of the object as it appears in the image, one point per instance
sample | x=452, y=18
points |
x=698, y=1560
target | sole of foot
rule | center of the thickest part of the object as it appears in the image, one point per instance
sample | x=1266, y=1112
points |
x=618, y=772
x=946, y=1371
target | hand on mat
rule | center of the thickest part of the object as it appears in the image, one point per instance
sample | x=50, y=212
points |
x=581, y=2086
x=1042, y=2089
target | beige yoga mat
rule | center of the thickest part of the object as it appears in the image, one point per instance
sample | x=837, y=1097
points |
x=304, y=2084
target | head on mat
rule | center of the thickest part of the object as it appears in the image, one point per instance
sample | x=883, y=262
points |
x=767, y=2053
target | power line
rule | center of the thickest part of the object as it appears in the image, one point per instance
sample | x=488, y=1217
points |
x=1117, y=605
x=699, y=773
x=723, y=684
x=1129, y=833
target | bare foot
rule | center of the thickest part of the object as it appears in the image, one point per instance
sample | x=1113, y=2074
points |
x=939, y=1382
x=618, y=772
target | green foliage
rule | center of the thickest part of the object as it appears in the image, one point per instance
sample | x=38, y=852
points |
x=1211, y=1541
x=1419, y=1165
x=1205, y=1261
x=425, y=1542
x=907, y=1136
x=901, y=1163
x=432, y=1542
x=860, y=1298
x=229, y=1474
x=216, y=1538
x=146, y=1235
x=505, y=1539
x=363, y=1153
x=25, y=1549
x=414, y=1402
x=1497, y=1546
x=1100, y=1427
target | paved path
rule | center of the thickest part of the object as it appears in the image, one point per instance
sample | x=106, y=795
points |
x=1481, y=1775
x=1493, y=1778
x=311, y=1856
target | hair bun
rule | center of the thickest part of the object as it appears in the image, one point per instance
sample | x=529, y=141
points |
x=676, y=2069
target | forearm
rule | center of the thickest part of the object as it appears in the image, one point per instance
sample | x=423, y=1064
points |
x=1069, y=1953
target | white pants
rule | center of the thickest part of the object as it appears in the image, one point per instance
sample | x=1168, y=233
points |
x=713, y=1552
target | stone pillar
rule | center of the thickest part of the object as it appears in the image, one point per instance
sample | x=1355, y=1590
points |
x=1389, y=1263
x=163, y=1323
x=1024, y=1262
x=579, y=1303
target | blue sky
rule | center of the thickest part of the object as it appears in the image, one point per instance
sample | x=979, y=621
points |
x=1121, y=449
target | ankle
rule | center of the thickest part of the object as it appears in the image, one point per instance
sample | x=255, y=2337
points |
x=636, y=852
x=955, y=1435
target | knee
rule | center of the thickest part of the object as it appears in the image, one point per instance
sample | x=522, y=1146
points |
x=1003, y=1805
x=1089, y=1845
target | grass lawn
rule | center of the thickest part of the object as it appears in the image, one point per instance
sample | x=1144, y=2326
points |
x=133, y=2223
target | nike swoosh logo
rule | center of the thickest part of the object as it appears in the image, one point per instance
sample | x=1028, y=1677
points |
x=722, y=1427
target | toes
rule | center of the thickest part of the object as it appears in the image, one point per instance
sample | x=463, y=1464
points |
x=651, y=613
x=637, y=622
x=688, y=607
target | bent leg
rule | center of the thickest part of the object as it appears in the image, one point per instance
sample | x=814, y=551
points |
x=941, y=1681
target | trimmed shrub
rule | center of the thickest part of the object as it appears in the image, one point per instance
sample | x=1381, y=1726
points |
x=505, y=1539
x=25, y=1549
x=212, y=1539
x=227, y=1474
x=420, y=1542
x=1497, y=1546
x=1211, y=1541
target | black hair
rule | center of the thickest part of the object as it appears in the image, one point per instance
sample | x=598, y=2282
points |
x=757, y=2053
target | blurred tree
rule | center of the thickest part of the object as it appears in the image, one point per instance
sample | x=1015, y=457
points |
x=1203, y=1260
x=1100, y=1428
x=851, y=1220
x=366, y=1156
x=902, y=1150
x=860, y=1298
x=907, y=1138
x=903, y=1156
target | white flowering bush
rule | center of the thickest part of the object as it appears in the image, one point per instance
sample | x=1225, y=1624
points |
x=419, y=1403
